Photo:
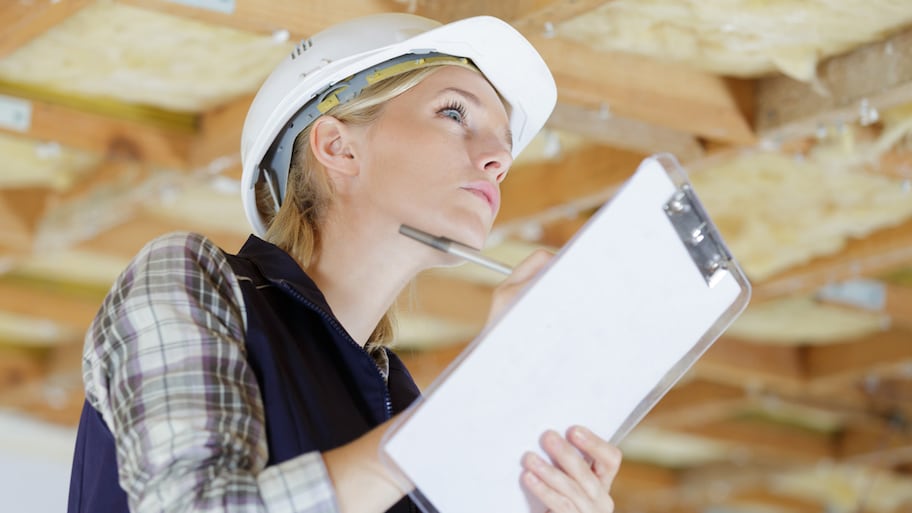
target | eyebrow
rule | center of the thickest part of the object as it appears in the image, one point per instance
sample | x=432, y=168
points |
x=477, y=102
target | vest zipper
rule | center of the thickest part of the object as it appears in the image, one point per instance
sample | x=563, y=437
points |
x=388, y=403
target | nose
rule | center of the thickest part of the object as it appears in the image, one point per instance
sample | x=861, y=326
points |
x=494, y=158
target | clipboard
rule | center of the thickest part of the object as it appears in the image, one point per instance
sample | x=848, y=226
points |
x=599, y=336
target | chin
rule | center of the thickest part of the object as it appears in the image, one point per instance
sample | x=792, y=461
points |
x=474, y=236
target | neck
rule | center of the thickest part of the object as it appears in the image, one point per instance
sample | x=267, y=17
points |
x=362, y=267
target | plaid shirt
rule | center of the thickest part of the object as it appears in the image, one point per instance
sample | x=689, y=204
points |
x=165, y=365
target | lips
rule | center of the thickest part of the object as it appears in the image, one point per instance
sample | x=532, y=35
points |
x=487, y=191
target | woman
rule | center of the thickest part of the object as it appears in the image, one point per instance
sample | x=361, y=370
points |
x=260, y=381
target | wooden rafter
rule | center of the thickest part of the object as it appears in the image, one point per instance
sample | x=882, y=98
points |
x=21, y=210
x=126, y=239
x=556, y=11
x=852, y=360
x=696, y=402
x=738, y=362
x=633, y=87
x=20, y=297
x=219, y=135
x=23, y=21
x=303, y=20
x=623, y=133
x=104, y=134
x=880, y=252
x=879, y=74
x=533, y=188
x=765, y=498
x=896, y=303
x=660, y=93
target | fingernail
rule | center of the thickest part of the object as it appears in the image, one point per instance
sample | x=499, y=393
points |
x=580, y=433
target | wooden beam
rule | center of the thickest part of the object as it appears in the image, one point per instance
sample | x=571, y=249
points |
x=267, y=17
x=21, y=210
x=592, y=171
x=558, y=232
x=660, y=93
x=879, y=74
x=891, y=299
x=886, y=447
x=634, y=88
x=303, y=20
x=627, y=134
x=456, y=300
x=19, y=365
x=126, y=239
x=447, y=11
x=41, y=301
x=695, y=402
x=898, y=305
x=738, y=362
x=219, y=135
x=764, y=439
x=878, y=253
x=53, y=391
x=766, y=498
x=426, y=365
x=55, y=399
x=856, y=359
x=645, y=477
x=23, y=21
x=106, y=135
x=547, y=17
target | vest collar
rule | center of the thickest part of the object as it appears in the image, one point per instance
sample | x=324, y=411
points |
x=281, y=269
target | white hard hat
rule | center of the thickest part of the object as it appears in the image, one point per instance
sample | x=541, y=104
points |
x=333, y=66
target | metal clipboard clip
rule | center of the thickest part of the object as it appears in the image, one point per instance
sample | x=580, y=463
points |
x=698, y=234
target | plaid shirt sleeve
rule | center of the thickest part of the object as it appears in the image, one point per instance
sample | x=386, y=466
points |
x=165, y=364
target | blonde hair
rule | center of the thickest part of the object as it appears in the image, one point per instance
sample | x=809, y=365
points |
x=296, y=226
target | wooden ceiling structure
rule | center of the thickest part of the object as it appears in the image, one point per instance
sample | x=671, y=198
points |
x=805, y=406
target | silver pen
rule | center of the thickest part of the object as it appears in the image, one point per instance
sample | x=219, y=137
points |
x=454, y=248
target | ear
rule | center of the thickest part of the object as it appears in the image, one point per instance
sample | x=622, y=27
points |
x=333, y=144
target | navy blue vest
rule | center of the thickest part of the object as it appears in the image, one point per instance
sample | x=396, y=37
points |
x=320, y=389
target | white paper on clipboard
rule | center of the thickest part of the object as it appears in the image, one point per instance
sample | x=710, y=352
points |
x=617, y=317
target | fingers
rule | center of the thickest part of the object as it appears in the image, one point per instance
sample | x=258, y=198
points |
x=552, y=487
x=571, y=463
x=606, y=458
x=580, y=476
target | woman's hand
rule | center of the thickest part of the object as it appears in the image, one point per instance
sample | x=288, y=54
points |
x=522, y=274
x=578, y=478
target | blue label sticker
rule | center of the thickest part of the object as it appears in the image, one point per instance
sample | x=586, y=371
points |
x=224, y=6
x=15, y=113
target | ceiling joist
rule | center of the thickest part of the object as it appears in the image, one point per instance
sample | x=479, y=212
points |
x=104, y=134
x=271, y=17
x=849, y=88
x=878, y=253
x=536, y=187
x=23, y=21
x=623, y=133
x=659, y=93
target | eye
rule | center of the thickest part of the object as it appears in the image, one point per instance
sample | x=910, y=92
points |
x=455, y=111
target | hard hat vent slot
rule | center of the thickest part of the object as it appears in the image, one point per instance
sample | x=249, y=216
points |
x=301, y=47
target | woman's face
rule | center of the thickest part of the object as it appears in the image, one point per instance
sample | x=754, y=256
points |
x=435, y=157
